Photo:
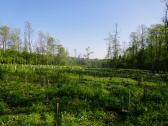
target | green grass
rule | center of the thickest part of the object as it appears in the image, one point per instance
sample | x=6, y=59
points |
x=88, y=97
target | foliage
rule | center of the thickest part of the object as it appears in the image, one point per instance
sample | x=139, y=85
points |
x=88, y=96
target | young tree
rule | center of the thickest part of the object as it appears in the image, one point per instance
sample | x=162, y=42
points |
x=51, y=45
x=134, y=43
x=16, y=40
x=42, y=42
x=109, y=40
x=75, y=53
x=28, y=37
x=62, y=55
x=4, y=36
x=142, y=37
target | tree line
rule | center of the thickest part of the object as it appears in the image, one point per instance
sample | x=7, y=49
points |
x=148, y=48
x=22, y=50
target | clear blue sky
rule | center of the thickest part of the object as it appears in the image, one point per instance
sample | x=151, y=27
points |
x=81, y=23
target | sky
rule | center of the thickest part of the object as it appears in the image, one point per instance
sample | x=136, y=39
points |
x=82, y=23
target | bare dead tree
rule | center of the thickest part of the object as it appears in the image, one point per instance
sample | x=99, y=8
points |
x=116, y=43
x=113, y=45
x=88, y=53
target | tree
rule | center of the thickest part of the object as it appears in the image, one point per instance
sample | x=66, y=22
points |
x=16, y=40
x=75, y=53
x=42, y=42
x=113, y=50
x=51, y=45
x=134, y=43
x=28, y=37
x=151, y=43
x=62, y=55
x=156, y=45
x=116, y=45
x=88, y=53
x=132, y=51
x=165, y=20
x=142, y=37
x=109, y=40
x=113, y=45
x=4, y=35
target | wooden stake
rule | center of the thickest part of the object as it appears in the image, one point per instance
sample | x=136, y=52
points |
x=57, y=118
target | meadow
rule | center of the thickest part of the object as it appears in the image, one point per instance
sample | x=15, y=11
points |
x=30, y=94
x=65, y=63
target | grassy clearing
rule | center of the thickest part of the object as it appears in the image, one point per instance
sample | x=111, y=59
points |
x=88, y=97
